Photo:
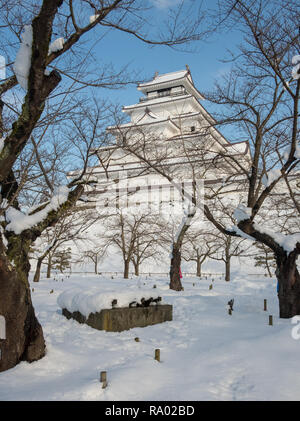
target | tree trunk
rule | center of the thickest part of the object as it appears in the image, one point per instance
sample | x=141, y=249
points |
x=198, y=267
x=126, y=269
x=268, y=267
x=227, y=269
x=37, y=274
x=136, y=268
x=289, y=285
x=175, y=281
x=49, y=264
x=24, y=339
x=96, y=265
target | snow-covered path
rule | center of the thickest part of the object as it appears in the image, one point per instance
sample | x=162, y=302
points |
x=205, y=353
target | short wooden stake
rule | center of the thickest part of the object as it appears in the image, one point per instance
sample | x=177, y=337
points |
x=157, y=355
x=270, y=320
x=103, y=379
x=265, y=305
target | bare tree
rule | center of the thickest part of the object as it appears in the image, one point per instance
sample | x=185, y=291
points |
x=198, y=246
x=96, y=254
x=262, y=99
x=38, y=68
x=227, y=248
x=69, y=229
x=133, y=233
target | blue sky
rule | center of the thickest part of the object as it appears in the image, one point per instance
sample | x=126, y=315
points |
x=205, y=64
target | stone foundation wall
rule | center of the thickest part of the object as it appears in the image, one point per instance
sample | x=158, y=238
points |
x=119, y=319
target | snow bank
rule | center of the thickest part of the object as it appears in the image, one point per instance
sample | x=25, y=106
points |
x=93, y=300
x=23, y=59
x=18, y=221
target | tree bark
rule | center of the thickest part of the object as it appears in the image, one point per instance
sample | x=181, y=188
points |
x=267, y=266
x=49, y=264
x=136, y=268
x=96, y=265
x=289, y=285
x=175, y=281
x=37, y=273
x=198, y=267
x=24, y=336
x=227, y=269
x=126, y=269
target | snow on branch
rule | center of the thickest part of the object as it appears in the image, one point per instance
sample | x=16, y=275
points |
x=271, y=176
x=18, y=221
x=287, y=242
x=93, y=18
x=296, y=68
x=56, y=45
x=286, y=153
x=189, y=213
x=1, y=144
x=242, y=213
x=23, y=59
x=240, y=233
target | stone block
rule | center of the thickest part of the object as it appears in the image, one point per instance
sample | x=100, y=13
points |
x=119, y=319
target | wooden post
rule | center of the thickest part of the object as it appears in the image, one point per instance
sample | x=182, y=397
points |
x=270, y=320
x=157, y=355
x=265, y=305
x=103, y=379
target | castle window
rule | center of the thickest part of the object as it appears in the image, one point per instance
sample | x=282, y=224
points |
x=164, y=92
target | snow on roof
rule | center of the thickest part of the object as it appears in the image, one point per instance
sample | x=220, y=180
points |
x=156, y=101
x=181, y=77
x=239, y=147
x=167, y=77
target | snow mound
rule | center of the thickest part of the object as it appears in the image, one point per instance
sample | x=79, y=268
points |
x=93, y=300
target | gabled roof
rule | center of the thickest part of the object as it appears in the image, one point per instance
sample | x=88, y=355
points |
x=167, y=80
x=167, y=77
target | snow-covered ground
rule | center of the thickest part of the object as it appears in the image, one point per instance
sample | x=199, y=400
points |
x=206, y=354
